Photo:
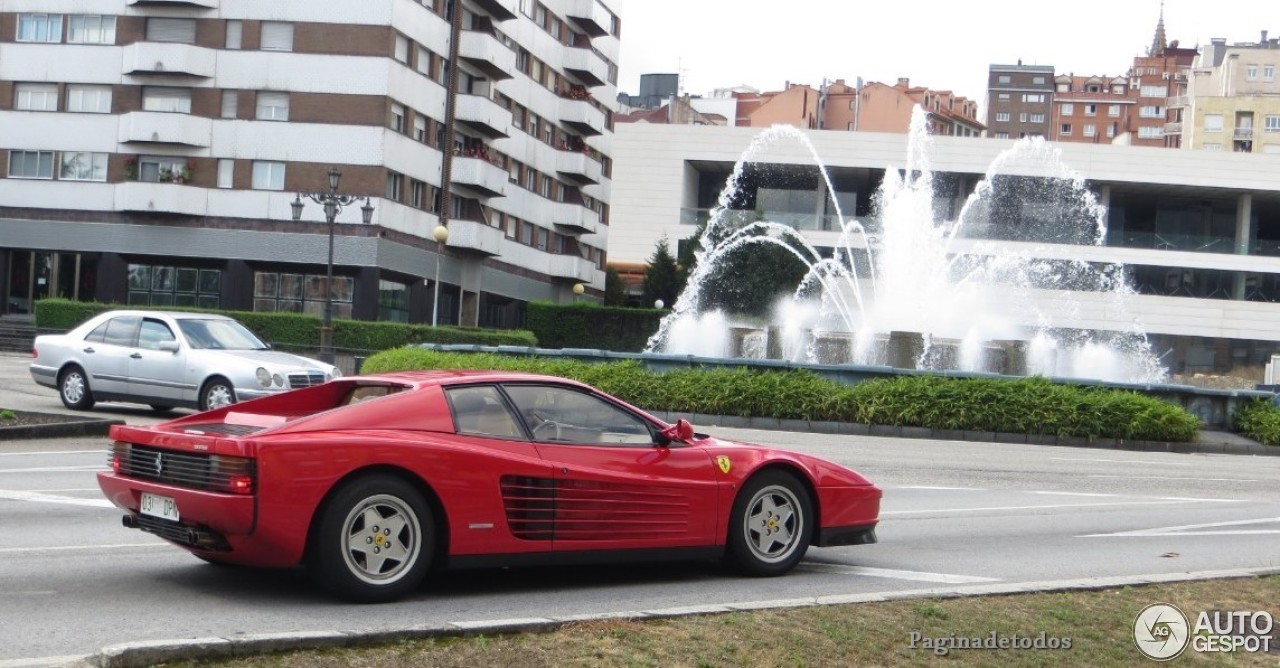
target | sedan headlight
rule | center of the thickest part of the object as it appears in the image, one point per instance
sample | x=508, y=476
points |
x=264, y=377
x=278, y=380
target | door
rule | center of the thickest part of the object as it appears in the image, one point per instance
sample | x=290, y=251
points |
x=105, y=354
x=615, y=487
x=158, y=366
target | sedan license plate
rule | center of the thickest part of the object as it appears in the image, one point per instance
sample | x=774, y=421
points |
x=158, y=506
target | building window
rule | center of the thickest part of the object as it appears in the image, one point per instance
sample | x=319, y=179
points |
x=277, y=36
x=273, y=106
x=174, y=100
x=395, y=184
x=1146, y=132
x=1039, y=81
x=36, y=97
x=1271, y=123
x=1005, y=78
x=397, y=117
x=226, y=172
x=1090, y=110
x=182, y=31
x=155, y=285
x=1268, y=72
x=1213, y=122
x=31, y=164
x=235, y=34
x=1034, y=98
x=402, y=49
x=163, y=169
x=1065, y=130
x=89, y=99
x=1022, y=117
x=1213, y=147
x=1251, y=73
x=1002, y=135
x=91, y=29
x=419, y=128
x=1113, y=110
x=1155, y=91
x=1003, y=97
x=1090, y=130
x=301, y=293
x=417, y=193
x=230, y=103
x=1037, y=118
x=1149, y=111
x=424, y=62
x=1111, y=130
x=1068, y=109
x=1002, y=117
x=393, y=301
x=40, y=28
x=268, y=175
x=83, y=166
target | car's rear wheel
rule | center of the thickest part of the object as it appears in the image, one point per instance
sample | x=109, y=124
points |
x=374, y=540
x=73, y=387
x=771, y=524
x=216, y=393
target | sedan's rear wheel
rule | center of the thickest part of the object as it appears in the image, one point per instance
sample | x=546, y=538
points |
x=73, y=387
x=216, y=393
x=771, y=524
x=374, y=540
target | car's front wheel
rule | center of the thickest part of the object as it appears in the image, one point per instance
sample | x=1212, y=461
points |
x=374, y=539
x=771, y=524
x=73, y=388
x=216, y=393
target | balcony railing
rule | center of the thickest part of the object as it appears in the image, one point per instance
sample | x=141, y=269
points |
x=483, y=115
x=590, y=16
x=1172, y=128
x=1242, y=133
x=574, y=219
x=586, y=66
x=581, y=117
x=161, y=198
x=483, y=51
x=168, y=58
x=479, y=174
x=1178, y=101
x=572, y=267
x=158, y=127
x=502, y=10
x=578, y=166
x=199, y=4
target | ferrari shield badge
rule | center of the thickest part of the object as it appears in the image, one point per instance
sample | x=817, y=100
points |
x=724, y=463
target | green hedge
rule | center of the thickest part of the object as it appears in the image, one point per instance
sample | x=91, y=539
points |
x=588, y=325
x=1029, y=406
x=296, y=329
x=1260, y=420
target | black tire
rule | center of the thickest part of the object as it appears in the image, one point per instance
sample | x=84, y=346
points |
x=74, y=390
x=771, y=524
x=161, y=408
x=215, y=392
x=353, y=552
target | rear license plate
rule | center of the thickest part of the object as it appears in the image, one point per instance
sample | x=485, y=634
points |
x=158, y=506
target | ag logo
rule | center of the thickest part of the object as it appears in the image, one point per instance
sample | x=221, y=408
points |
x=724, y=463
x=1160, y=631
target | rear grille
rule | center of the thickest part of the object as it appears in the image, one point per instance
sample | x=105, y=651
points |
x=223, y=428
x=297, y=380
x=214, y=473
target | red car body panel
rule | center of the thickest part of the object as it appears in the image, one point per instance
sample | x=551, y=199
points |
x=304, y=444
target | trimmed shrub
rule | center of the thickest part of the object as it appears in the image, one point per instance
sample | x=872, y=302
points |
x=588, y=325
x=1028, y=406
x=1259, y=419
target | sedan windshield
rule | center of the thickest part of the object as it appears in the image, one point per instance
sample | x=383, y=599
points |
x=220, y=335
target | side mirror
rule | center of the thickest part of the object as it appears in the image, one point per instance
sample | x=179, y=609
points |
x=681, y=431
x=167, y=346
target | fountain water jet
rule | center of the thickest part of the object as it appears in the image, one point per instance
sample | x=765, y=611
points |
x=1001, y=273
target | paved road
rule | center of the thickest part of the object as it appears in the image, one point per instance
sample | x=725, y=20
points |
x=955, y=514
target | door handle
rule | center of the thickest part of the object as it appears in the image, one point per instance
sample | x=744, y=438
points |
x=89, y=350
x=136, y=356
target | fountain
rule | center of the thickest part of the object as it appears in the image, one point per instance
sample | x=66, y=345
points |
x=997, y=290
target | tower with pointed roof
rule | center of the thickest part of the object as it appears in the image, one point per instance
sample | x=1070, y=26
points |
x=1158, y=43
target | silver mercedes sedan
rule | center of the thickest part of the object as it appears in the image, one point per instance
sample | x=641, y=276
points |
x=166, y=360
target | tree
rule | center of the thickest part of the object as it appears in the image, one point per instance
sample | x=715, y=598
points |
x=615, y=290
x=751, y=278
x=663, y=278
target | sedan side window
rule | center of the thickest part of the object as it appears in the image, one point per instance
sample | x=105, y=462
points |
x=153, y=333
x=566, y=415
x=120, y=330
x=480, y=411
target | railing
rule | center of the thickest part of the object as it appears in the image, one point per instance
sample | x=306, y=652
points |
x=799, y=221
x=1243, y=133
x=1172, y=128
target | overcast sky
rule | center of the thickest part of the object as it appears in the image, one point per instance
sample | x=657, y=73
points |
x=943, y=46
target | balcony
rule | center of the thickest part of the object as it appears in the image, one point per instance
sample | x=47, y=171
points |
x=574, y=219
x=177, y=4
x=581, y=117
x=482, y=50
x=586, y=66
x=571, y=267
x=168, y=58
x=158, y=127
x=1242, y=133
x=590, y=16
x=161, y=198
x=483, y=115
x=577, y=166
x=500, y=10
x=1173, y=128
x=475, y=236
x=480, y=176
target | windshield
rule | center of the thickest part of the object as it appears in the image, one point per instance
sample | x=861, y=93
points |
x=220, y=335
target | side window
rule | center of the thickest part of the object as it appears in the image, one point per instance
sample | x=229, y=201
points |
x=566, y=415
x=480, y=411
x=120, y=330
x=153, y=333
x=99, y=333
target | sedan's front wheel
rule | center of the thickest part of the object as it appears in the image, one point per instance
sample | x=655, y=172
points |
x=771, y=524
x=73, y=387
x=216, y=393
x=374, y=540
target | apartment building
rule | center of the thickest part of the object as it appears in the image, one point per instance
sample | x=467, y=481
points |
x=1233, y=103
x=154, y=152
x=1019, y=101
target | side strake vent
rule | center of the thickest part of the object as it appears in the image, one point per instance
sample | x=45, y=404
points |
x=551, y=509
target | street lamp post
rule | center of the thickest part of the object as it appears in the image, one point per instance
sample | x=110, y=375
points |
x=441, y=235
x=333, y=203
x=578, y=289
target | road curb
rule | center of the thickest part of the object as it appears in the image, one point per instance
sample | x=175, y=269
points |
x=70, y=428
x=151, y=652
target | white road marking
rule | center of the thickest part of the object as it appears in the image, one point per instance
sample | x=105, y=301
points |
x=957, y=489
x=1070, y=493
x=38, y=453
x=40, y=497
x=41, y=661
x=918, y=576
x=1119, y=461
x=69, y=548
x=944, y=511
x=1198, y=530
x=1165, y=477
x=50, y=469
